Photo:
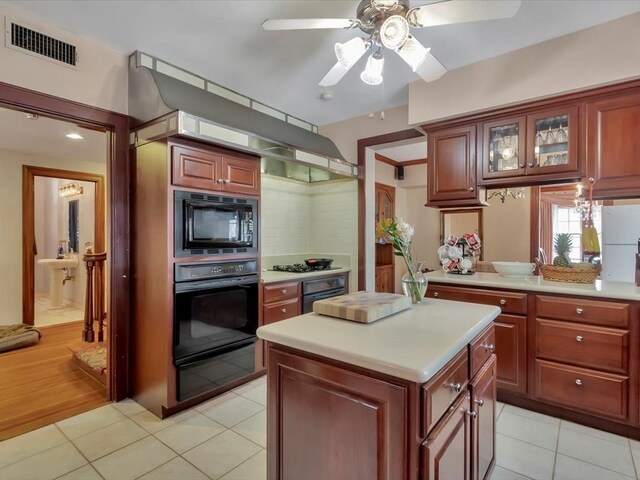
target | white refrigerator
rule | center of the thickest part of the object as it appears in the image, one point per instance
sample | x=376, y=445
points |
x=620, y=234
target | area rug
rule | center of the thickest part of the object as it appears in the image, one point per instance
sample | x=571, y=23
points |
x=18, y=336
x=92, y=360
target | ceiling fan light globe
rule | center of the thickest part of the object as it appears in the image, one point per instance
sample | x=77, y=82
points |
x=413, y=52
x=372, y=74
x=349, y=53
x=394, y=32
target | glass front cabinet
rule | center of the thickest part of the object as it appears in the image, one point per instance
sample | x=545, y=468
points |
x=544, y=143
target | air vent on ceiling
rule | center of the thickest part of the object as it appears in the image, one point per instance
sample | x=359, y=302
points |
x=24, y=38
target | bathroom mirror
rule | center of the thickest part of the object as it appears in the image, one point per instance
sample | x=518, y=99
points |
x=459, y=222
x=73, y=227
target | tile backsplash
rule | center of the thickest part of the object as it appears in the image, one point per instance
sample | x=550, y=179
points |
x=309, y=219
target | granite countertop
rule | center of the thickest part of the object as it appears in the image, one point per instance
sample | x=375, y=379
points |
x=601, y=288
x=413, y=345
x=271, y=277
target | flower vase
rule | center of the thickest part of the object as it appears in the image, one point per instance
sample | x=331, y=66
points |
x=414, y=286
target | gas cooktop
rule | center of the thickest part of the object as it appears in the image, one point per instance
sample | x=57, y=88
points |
x=300, y=268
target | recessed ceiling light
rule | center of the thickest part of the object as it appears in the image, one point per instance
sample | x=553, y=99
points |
x=74, y=136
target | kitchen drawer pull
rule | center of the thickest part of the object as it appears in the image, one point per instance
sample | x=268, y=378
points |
x=284, y=310
x=454, y=387
x=579, y=311
x=436, y=294
x=479, y=402
x=578, y=338
x=284, y=291
x=578, y=382
x=472, y=414
x=503, y=301
x=490, y=347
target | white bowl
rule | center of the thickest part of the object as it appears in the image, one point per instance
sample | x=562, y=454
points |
x=514, y=269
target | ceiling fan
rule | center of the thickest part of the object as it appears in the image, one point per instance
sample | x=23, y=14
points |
x=387, y=23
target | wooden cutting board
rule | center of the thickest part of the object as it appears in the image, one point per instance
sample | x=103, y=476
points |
x=363, y=307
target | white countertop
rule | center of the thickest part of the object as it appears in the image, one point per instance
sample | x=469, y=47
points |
x=271, y=277
x=601, y=288
x=414, y=344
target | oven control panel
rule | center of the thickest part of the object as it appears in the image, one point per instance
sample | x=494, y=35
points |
x=186, y=272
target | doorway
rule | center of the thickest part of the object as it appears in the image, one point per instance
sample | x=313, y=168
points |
x=62, y=211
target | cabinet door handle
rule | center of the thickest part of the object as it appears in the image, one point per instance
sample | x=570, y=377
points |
x=472, y=414
x=471, y=189
x=579, y=311
x=578, y=338
x=522, y=165
x=488, y=347
x=284, y=291
x=479, y=402
x=226, y=181
x=578, y=382
x=220, y=180
x=454, y=387
x=503, y=301
x=530, y=165
x=284, y=310
x=436, y=294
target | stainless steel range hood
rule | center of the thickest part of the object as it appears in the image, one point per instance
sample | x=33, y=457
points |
x=165, y=100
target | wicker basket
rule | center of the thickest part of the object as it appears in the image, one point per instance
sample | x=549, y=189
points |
x=565, y=274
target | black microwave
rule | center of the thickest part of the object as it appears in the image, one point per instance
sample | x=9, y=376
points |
x=208, y=224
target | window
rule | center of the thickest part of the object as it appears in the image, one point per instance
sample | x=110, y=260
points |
x=568, y=220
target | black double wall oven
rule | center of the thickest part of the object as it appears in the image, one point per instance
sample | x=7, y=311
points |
x=215, y=302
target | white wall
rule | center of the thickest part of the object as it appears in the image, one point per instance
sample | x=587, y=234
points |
x=100, y=78
x=603, y=54
x=11, y=214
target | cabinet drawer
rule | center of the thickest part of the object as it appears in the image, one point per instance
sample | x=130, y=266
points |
x=276, y=292
x=586, y=345
x=582, y=389
x=441, y=391
x=585, y=311
x=481, y=349
x=509, y=302
x=281, y=311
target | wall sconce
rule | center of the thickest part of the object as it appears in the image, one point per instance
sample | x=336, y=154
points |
x=503, y=193
x=70, y=190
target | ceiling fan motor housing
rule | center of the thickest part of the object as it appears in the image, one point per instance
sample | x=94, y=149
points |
x=371, y=18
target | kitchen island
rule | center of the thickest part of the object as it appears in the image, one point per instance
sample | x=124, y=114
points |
x=410, y=396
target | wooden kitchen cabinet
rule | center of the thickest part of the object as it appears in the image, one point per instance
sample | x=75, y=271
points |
x=446, y=453
x=214, y=169
x=385, y=278
x=510, y=330
x=385, y=259
x=281, y=300
x=483, y=428
x=613, y=145
x=527, y=149
x=581, y=358
x=452, y=167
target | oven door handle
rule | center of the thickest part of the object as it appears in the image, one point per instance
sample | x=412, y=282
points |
x=184, y=361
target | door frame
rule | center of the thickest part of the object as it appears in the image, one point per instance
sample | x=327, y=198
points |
x=29, y=232
x=118, y=195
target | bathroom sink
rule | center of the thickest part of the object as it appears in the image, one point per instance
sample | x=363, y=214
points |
x=60, y=263
x=57, y=275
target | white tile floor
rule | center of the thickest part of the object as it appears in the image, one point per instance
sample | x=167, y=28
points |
x=225, y=438
x=44, y=316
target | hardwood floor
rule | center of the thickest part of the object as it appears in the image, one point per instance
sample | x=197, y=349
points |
x=40, y=385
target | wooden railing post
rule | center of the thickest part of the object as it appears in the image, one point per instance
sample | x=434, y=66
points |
x=94, y=303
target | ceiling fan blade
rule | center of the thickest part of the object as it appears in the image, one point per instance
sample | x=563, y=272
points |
x=461, y=11
x=430, y=69
x=334, y=75
x=307, y=23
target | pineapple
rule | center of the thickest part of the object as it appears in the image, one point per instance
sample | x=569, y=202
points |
x=562, y=246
